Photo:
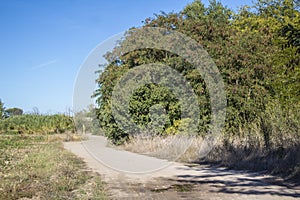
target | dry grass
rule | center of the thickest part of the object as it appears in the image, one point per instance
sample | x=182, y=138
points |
x=247, y=152
x=66, y=137
x=173, y=147
x=251, y=154
x=32, y=168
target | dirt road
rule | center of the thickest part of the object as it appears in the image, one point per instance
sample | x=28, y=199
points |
x=132, y=176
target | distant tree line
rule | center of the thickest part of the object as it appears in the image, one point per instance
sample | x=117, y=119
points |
x=9, y=112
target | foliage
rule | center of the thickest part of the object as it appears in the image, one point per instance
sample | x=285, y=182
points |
x=86, y=121
x=2, y=110
x=13, y=111
x=149, y=95
x=255, y=50
x=36, y=124
x=292, y=36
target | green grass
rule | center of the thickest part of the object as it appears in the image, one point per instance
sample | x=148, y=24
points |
x=183, y=187
x=30, y=167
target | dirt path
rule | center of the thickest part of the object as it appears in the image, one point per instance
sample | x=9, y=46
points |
x=175, y=180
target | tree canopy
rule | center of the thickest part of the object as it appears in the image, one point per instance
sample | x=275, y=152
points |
x=14, y=111
x=256, y=50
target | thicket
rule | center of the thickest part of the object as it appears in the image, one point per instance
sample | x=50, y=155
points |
x=257, y=52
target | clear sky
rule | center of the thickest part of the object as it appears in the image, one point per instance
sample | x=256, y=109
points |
x=44, y=43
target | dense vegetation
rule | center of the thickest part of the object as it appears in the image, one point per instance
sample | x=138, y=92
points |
x=37, y=124
x=13, y=121
x=257, y=52
x=255, y=49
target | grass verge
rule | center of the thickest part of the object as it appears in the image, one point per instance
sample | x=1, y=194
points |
x=250, y=154
x=174, y=147
x=239, y=153
x=31, y=167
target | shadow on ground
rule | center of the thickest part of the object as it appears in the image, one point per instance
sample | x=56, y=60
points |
x=226, y=181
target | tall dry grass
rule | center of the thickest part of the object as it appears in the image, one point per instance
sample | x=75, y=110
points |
x=173, y=147
x=271, y=143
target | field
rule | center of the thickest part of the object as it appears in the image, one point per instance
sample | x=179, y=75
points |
x=37, y=167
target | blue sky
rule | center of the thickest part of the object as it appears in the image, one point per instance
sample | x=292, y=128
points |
x=44, y=43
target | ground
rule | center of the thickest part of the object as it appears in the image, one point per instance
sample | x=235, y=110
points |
x=126, y=177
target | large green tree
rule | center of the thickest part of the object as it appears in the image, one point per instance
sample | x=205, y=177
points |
x=257, y=64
